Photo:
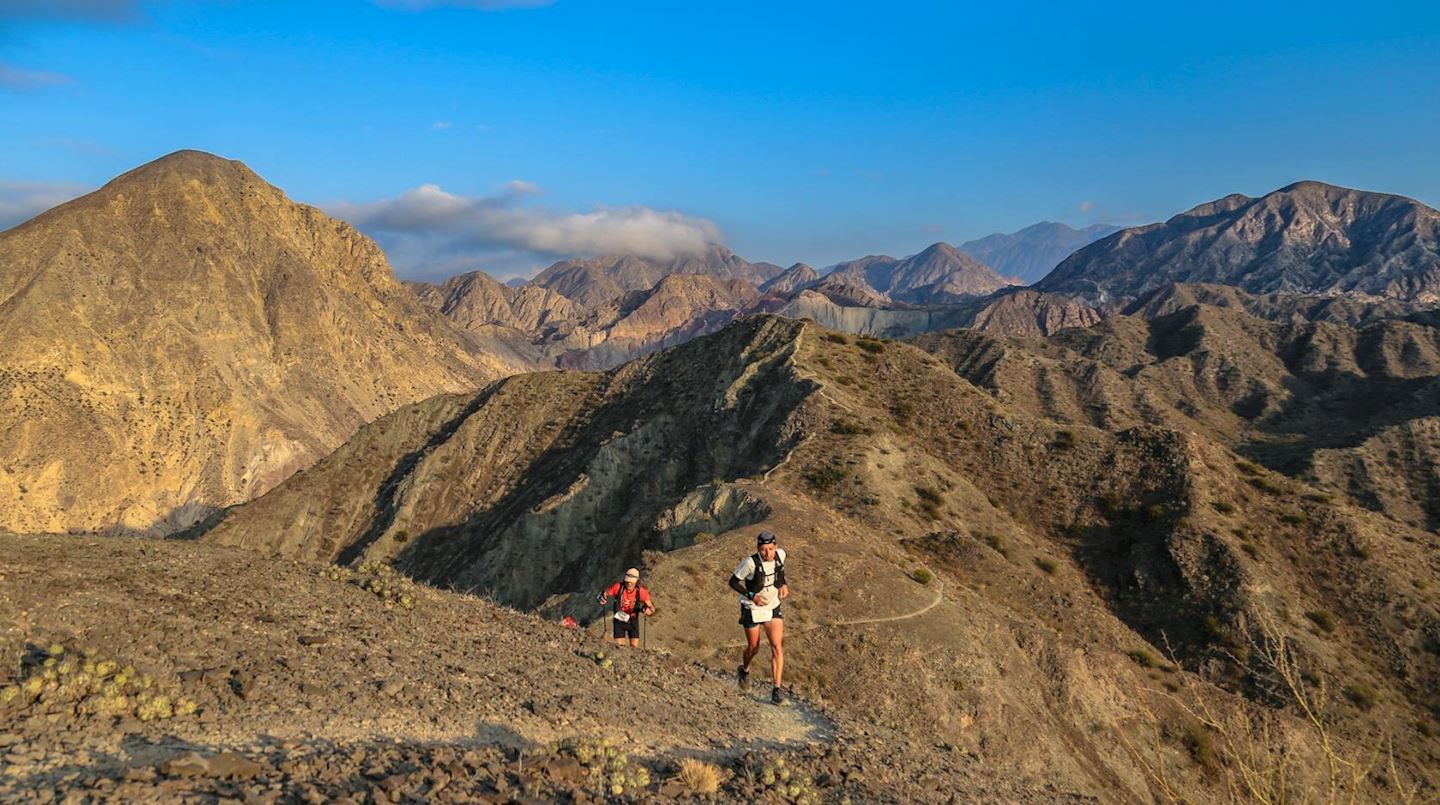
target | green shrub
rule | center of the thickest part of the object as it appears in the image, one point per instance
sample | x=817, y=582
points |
x=922, y=575
x=1247, y=467
x=1200, y=745
x=1361, y=695
x=824, y=478
x=1064, y=439
x=1294, y=518
x=996, y=544
x=1324, y=620
x=1144, y=657
x=845, y=380
x=870, y=345
x=848, y=428
x=1046, y=565
x=903, y=411
x=1266, y=485
x=1224, y=507
x=835, y=338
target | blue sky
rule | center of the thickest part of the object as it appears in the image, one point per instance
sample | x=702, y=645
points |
x=505, y=135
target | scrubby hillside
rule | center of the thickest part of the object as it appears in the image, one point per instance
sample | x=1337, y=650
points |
x=1344, y=406
x=1066, y=561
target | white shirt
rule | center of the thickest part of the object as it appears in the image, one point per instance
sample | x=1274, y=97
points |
x=746, y=571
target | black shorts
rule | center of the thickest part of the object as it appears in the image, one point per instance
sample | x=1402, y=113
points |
x=630, y=628
x=749, y=624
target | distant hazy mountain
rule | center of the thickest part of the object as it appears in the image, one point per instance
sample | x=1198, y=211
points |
x=941, y=274
x=186, y=337
x=1031, y=253
x=594, y=280
x=1307, y=238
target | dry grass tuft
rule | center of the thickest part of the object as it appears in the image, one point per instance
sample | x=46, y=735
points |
x=699, y=776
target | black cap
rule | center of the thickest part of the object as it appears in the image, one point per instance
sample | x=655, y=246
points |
x=765, y=538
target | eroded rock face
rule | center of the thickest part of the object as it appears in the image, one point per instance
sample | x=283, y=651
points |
x=578, y=469
x=1307, y=238
x=186, y=337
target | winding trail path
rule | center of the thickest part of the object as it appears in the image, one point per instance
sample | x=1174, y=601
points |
x=939, y=596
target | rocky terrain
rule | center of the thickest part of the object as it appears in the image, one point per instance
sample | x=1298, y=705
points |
x=1029, y=254
x=1120, y=639
x=1306, y=238
x=1348, y=408
x=185, y=338
x=288, y=682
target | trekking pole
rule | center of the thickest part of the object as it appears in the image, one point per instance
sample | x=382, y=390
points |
x=644, y=633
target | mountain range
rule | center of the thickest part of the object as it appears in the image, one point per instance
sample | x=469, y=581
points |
x=1305, y=238
x=1114, y=537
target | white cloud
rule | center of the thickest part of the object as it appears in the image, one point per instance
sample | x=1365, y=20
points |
x=16, y=78
x=426, y=227
x=21, y=201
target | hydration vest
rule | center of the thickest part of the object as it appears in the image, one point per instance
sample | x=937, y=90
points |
x=756, y=583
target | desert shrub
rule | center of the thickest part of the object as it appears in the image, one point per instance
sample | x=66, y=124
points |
x=835, y=338
x=1247, y=467
x=699, y=777
x=1361, y=695
x=845, y=427
x=1154, y=513
x=962, y=425
x=1294, y=518
x=930, y=501
x=1200, y=744
x=1322, y=619
x=1223, y=507
x=845, y=380
x=824, y=478
x=1144, y=657
x=1064, y=439
x=903, y=411
x=610, y=769
x=1251, y=549
x=1266, y=485
x=922, y=575
x=378, y=578
x=870, y=345
x=996, y=544
x=89, y=684
x=1046, y=565
x=1359, y=551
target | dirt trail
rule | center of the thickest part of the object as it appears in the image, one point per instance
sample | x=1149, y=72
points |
x=934, y=602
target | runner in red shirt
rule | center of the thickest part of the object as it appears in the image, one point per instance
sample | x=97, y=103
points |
x=631, y=601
